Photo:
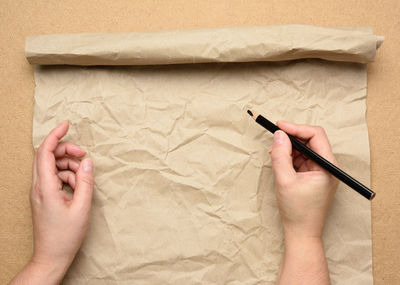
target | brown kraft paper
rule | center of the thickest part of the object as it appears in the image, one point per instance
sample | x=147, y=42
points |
x=184, y=191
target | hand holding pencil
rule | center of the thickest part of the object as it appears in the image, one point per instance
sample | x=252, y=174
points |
x=317, y=158
x=303, y=199
x=304, y=195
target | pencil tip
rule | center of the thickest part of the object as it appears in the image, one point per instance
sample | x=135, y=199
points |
x=250, y=113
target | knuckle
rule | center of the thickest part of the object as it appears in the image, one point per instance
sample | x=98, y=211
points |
x=36, y=195
x=320, y=129
x=285, y=183
x=87, y=179
x=60, y=147
x=63, y=144
x=64, y=162
x=277, y=153
x=276, y=158
x=39, y=151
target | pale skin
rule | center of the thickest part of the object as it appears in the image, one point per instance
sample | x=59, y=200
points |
x=304, y=192
x=304, y=197
x=59, y=222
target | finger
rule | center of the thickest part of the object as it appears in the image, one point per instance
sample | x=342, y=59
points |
x=298, y=161
x=68, y=163
x=281, y=158
x=51, y=141
x=316, y=137
x=68, y=176
x=67, y=148
x=303, y=168
x=301, y=132
x=84, y=184
x=311, y=165
x=46, y=166
x=296, y=154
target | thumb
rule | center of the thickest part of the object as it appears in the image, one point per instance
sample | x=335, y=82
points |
x=84, y=183
x=281, y=156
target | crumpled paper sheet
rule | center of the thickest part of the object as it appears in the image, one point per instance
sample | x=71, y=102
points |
x=184, y=191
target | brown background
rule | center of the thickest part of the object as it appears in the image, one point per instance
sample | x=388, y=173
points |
x=19, y=19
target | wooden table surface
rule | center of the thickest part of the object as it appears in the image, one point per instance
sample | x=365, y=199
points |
x=19, y=19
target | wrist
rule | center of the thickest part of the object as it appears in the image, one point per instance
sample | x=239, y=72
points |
x=303, y=261
x=50, y=271
x=292, y=241
x=306, y=231
x=302, y=246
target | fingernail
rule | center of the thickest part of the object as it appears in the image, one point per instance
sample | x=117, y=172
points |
x=88, y=165
x=278, y=137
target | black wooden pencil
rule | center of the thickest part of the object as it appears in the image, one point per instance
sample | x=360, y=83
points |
x=331, y=168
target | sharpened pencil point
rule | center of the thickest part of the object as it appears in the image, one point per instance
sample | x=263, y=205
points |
x=250, y=113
